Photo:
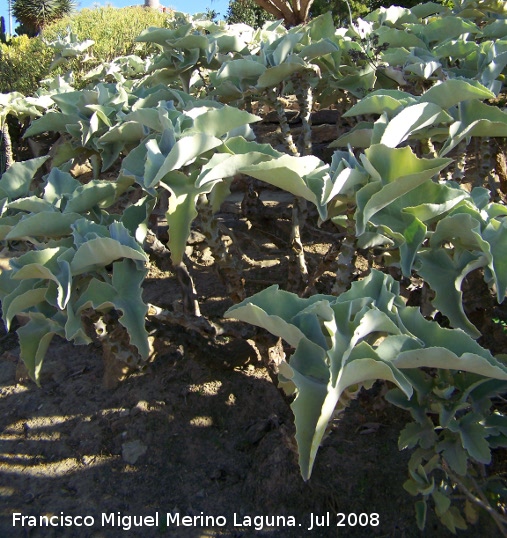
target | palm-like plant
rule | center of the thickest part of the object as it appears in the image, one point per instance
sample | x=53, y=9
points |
x=33, y=15
x=293, y=12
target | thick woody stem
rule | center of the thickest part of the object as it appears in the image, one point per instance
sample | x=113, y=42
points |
x=346, y=258
x=487, y=168
x=299, y=215
x=326, y=264
x=500, y=521
x=190, y=302
x=274, y=101
x=460, y=162
x=229, y=267
x=9, y=158
x=304, y=96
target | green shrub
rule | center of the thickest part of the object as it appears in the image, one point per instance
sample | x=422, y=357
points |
x=247, y=12
x=113, y=30
x=23, y=64
x=26, y=61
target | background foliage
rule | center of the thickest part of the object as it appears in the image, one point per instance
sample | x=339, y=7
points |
x=25, y=61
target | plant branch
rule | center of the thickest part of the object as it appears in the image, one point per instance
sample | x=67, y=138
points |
x=7, y=142
x=500, y=521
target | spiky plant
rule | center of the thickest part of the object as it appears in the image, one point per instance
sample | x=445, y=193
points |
x=33, y=15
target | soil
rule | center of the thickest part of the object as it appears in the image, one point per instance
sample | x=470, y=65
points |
x=202, y=431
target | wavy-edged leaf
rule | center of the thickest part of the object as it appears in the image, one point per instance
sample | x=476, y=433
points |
x=15, y=182
x=331, y=337
x=381, y=101
x=445, y=274
x=95, y=193
x=24, y=297
x=124, y=294
x=399, y=171
x=411, y=119
x=476, y=119
x=184, y=151
x=54, y=122
x=279, y=73
x=43, y=224
x=47, y=264
x=219, y=121
x=102, y=251
x=34, y=340
x=495, y=234
x=297, y=175
x=241, y=69
x=31, y=204
x=453, y=91
x=474, y=438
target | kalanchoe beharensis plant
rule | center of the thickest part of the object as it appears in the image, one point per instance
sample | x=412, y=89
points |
x=365, y=334
x=81, y=274
x=79, y=259
x=455, y=427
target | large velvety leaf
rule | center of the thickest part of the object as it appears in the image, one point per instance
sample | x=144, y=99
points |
x=94, y=193
x=24, y=297
x=409, y=120
x=48, y=264
x=495, y=234
x=102, y=251
x=398, y=171
x=337, y=346
x=15, y=182
x=54, y=122
x=297, y=175
x=34, y=340
x=445, y=274
x=185, y=151
x=43, y=224
x=219, y=121
x=453, y=91
x=124, y=294
x=476, y=119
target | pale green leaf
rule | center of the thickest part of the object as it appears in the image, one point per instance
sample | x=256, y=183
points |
x=31, y=204
x=126, y=133
x=409, y=120
x=399, y=171
x=24, y=297
x=242, y=69
x=275, y=75
x=124, y=294
x=381, y=101
x=495, y=234
x=100, y=252
x=95, y=193
x=294, y=175
x=55, y=122
x=453, y=91
x=185, y=151
x=15, y=182
x=34, y=340
x=43, y=224
x=217, y=122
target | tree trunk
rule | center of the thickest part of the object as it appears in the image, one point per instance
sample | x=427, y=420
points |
x=293, y=12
